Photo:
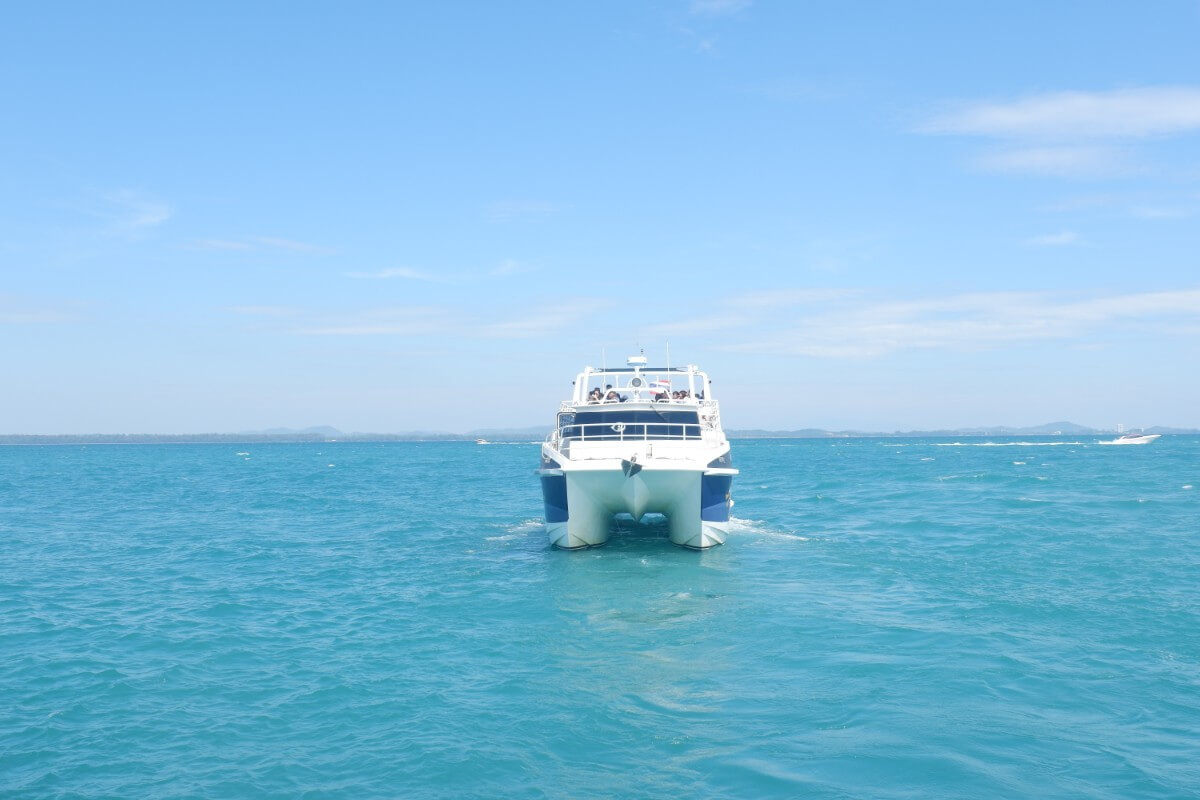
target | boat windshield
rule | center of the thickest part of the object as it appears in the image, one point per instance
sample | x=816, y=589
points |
x=619, y=423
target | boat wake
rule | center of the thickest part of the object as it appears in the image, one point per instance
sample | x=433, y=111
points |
x=981, y=444
x=754, y=527
x=1005, y=444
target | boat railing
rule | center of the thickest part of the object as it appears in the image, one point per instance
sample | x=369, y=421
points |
x=627, y=431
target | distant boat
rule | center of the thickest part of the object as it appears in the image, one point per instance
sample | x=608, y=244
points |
x=482, y=441
x=1134, y=438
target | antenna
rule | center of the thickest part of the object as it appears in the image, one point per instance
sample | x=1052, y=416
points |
x=668, y=355
x=604, y=359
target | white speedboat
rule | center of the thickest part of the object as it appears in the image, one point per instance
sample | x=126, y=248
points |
x=637, y=440
x=1134, y=438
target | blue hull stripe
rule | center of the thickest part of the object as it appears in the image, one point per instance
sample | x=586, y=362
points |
x=714, y=497
x=554, y=495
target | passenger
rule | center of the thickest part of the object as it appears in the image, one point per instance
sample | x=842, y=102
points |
x=594, y=396
x=612, y=397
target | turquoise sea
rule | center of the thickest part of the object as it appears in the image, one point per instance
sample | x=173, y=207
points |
x=889, y=619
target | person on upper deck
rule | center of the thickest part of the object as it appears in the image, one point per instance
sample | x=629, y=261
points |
x=612, y=397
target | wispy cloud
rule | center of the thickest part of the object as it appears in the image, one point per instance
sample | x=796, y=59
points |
x=18, y=310
x=850, y=324
x=396, y=321
x=748, y=309
x=787, y=297
x=1065, y=161
x=514, y=210
x=794, y=90
x=509, y=266
x=32, y=316
x=1072, y=133
x=718, y=7
x=1117, y=114
x=396, y=272
x=290, y=244
x=265, y=311
x=131, y=213
x=258, y=243
x=1163, y=212
x=222, y=244
x=966, y=322
x=568, y=314
x=1054, y=239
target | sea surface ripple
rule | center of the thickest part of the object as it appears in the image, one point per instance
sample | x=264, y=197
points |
x=889, y=619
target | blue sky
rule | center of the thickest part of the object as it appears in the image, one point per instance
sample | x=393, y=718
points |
x=386, y=217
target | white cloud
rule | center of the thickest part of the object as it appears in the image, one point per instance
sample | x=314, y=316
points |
x=509, y=266
x=1163, y=212
x=260, y=243
x=398, y=321
x=290, y=244
x=222, y=244
x=791, y=297
x=265, y=311
x=829, y=324
x=1060, y=160
x=32, y=317
x=512, y=210
x=1054, y=239
x=1118, y=114
x=718, y=7
x=966, y=322
x=17, y=310
x=568, y=314
x=130, y=212
x=395, y=272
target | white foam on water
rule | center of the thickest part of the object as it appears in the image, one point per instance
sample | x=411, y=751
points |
x=1187, y=486
x=518, y=531
x=927, y=458
x=241, y=454
x=756, y=527
x=1018, y=463
x=1003, y=444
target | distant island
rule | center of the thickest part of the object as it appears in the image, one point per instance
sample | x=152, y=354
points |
x=325, y=433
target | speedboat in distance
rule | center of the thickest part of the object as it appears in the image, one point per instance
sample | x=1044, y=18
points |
x=1133, y=438
x=637, y=440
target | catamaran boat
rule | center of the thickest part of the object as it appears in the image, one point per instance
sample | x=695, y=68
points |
x=637, y=440
x=1134, y=438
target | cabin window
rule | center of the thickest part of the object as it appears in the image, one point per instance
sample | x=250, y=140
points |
x=628, y=424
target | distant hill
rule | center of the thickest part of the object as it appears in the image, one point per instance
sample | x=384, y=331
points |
x=1049, y=429
x=322, y=430
x=325, y=433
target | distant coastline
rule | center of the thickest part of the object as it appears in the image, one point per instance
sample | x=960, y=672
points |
x=326, y=434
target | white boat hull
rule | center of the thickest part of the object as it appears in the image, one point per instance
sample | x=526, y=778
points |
x=1150, y=437
x=580, y=509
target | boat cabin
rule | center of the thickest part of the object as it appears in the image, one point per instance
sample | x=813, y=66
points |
x=639, y=402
